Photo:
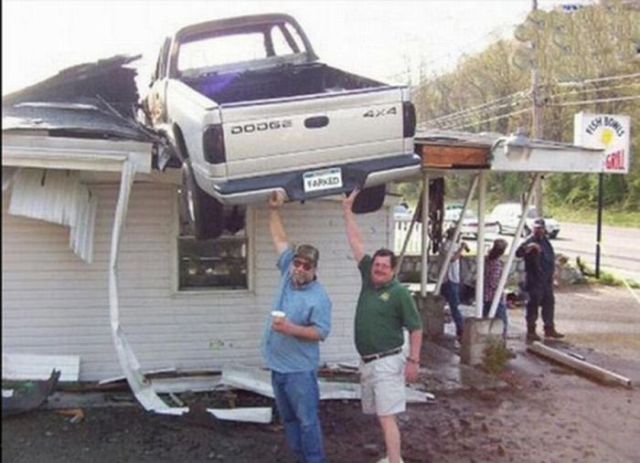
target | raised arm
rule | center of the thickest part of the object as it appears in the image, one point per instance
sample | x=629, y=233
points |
x=278, y=234
x=353, y=232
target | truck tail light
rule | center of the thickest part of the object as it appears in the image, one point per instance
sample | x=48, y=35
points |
x=213, y=144
x=409, y=119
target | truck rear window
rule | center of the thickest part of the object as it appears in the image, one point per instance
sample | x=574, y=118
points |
x=211, y=52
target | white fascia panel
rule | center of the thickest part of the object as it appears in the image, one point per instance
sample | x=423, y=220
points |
x=542, y=158
x=74, y=153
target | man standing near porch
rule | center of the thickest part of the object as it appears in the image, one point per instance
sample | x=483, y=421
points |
x=384, y=308
x=540, y=265
x=292, y=337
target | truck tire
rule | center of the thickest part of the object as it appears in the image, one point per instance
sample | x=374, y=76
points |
x=205, y=213
x=369, y=200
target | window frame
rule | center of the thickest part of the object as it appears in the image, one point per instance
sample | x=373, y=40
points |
x=175, y=256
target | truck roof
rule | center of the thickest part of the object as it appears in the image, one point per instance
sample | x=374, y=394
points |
x=239, y=23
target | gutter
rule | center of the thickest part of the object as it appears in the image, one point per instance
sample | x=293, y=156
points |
x=141, y=386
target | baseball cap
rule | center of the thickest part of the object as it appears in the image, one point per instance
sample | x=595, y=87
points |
x=538, y=223
x=308, y=252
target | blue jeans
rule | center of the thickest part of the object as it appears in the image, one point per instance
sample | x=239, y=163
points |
x=297, y=397
x=501, y=313
x=451, y=292
x=541, y=296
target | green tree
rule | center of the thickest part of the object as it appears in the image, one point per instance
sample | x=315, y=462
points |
x=594, y=47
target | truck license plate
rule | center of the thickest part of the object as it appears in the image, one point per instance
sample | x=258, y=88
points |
x=319, y=180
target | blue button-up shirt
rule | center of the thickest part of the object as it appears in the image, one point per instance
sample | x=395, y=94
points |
x=307, y=305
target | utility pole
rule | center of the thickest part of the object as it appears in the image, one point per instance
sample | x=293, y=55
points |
x=536, y=110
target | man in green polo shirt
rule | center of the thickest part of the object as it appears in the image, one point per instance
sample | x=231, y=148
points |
x=384, y=309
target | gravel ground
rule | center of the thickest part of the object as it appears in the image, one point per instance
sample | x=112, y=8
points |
x=545, y=414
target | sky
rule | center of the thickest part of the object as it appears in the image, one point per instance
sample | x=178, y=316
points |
x=391, y=41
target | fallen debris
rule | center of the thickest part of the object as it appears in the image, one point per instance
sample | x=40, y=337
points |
x=29, y=395
x=259, y=381
x=579, y=365
x=261, y=415
x=76, y=414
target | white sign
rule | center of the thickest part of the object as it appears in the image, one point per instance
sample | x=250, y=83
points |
x=326, y=179
x=605, y=131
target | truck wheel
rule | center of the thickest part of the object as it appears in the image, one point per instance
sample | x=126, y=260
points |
x=369, y=200
x=204, y=212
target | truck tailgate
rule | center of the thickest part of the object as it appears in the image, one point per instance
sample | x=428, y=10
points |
x=276, y=135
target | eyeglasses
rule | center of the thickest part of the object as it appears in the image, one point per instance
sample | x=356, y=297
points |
x=305, y=265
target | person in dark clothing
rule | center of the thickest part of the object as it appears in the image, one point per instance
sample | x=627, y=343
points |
x=539, y=264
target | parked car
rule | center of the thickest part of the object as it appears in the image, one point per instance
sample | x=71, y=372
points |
x=402, y=213
x=507, y=215
x=470, y=222
x=249, y=109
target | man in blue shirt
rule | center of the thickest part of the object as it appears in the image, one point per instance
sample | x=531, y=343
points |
x=291, y=342
x=539, y=261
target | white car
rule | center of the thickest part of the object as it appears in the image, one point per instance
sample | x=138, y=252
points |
x=470, y=222
x=402, y=213
x=507, y=216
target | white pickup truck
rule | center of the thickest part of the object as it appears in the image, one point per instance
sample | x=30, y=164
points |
x=248, y=110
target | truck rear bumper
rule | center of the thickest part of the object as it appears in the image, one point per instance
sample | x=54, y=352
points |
x=357, y=174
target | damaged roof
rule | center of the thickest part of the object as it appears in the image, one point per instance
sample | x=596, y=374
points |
x=90, y=100
x=90, y=119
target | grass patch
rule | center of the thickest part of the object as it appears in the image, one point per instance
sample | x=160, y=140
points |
x=611, y=217
x=606, y=278
x=496, y=356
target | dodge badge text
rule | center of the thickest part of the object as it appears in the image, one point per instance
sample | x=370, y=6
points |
x=261, y=126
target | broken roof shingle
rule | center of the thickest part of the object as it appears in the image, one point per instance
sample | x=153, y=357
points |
x=91, y=100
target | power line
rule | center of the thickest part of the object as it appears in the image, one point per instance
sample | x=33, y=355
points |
x=596, y=89
x=599, y=79
x=502, y=116
x=601, y=100
x=480, y=113
x=473, y=109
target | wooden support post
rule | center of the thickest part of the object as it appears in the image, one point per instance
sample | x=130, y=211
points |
x=482, y=192
x=425, y=236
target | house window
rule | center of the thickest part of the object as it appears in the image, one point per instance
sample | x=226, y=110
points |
x=220, y=263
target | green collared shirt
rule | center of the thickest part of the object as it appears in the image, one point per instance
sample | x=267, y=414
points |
x=382, y=313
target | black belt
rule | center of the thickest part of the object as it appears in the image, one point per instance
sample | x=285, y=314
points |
x=372, y=357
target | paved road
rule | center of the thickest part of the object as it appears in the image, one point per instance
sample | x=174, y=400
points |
x=620, y=251
x=620, y=247
x=619, y=254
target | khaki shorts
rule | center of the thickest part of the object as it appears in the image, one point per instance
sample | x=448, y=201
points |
x=383, y=385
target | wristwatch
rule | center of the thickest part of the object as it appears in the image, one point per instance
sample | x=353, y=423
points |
x=412, y=360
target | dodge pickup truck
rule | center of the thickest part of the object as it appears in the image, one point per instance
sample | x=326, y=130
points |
x=248, y=109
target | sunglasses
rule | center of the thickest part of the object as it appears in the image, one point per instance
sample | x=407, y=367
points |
x=305, y=265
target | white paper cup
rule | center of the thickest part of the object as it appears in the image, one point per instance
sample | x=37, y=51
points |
x=278, y=314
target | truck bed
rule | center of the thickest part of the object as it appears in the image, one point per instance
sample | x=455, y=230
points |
x=283, y=81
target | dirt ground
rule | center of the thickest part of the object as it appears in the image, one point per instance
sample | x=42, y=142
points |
x=544, y=414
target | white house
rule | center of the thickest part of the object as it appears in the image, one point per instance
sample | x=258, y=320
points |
x=54, y=302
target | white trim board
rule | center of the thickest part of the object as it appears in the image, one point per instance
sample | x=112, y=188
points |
x=39, y=367
x=74, y=153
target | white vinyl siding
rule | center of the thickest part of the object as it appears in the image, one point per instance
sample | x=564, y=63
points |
x=54, y=303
